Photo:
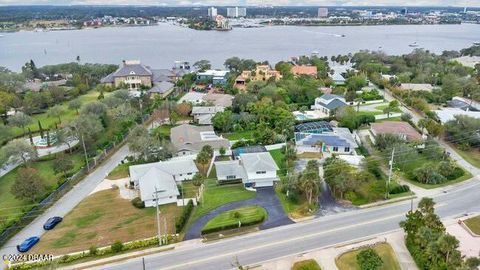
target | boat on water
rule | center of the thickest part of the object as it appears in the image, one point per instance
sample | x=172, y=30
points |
x=413, y=44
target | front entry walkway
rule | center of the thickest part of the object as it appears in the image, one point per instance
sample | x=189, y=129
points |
x=265, y=198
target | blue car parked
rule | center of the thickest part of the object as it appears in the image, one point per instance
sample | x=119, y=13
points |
x=52, y=222
x=28, y=244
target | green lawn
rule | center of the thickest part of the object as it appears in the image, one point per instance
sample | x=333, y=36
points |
x=279, y=158
x=472, y=155
x=249, y=215
x=235, y=136
x=14, y=208
x=382, y=107
x=217, y=195
x=348, y=260
x=473, y=224
x=306, y=265
x=297, y=209
x=466, y=176
x=121, y=171
x=162, y=131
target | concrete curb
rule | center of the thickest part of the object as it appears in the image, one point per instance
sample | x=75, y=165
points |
x=387, y=202
x=464, y=226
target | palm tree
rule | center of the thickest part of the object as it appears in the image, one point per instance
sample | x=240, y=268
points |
x=309, y=184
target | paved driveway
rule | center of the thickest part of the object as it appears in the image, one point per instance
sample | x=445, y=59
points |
x=265, y=198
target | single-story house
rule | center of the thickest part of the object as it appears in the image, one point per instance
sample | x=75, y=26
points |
x=304, y=70
x=214, y=76
x=213, y=99
x=163, y=177
x=192, y=97
x=417, y=87
x=404, y=129
x=321, y=137
x=189, y=139
x=204, y=115
x=448, y=114
x=329, y=103
x=254, y=169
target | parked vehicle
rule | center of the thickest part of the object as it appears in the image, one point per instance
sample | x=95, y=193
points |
x=52, y=222
x=28, y=244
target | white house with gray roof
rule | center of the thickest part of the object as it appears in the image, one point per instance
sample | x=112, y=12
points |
x=329, y=103
x=189, y=139
x=204, y=115
x=161, y=176
x=254, y=169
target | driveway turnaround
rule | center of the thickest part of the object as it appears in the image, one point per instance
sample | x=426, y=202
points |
x=265, y=198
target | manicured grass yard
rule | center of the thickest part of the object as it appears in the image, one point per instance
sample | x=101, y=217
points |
x=248, y=214
x=278, y=156
x=306, y=265
x=217, y=195
x=121, y=171
x=348, y=260
x=12, y=207
x=473, y=224
x=48, y=122
x=235, y=136
x=101, y=219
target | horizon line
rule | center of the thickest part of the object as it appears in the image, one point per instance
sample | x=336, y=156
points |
x=251, y=6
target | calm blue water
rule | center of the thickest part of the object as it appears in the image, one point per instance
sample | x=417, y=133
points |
x=158, y=46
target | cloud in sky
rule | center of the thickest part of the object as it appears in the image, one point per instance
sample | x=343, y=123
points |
x=473, y=3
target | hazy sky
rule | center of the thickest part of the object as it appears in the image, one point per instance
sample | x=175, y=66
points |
x=473, y=3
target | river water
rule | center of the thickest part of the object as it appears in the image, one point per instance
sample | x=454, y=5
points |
x=160, y=45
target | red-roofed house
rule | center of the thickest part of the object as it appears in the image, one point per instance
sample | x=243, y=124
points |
x=405, y=130
x=304, y=70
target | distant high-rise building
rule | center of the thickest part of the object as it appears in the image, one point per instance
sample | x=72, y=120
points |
x=404, y=11
x=212, y=12
x=465, y=10
x=322, y=12
x=236, y=12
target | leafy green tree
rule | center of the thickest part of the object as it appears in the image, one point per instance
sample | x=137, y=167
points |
x=95, y=108
x=140, y=142
x=368, y=259
x=20, y=120
x=202, y=65
x=223, y=121
x=75, y=105
x=198, y=180
x=62, y=165
x=28, y=185
x=56, y=111
x=19, y=151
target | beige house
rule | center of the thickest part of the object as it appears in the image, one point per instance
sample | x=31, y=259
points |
x=261, y=73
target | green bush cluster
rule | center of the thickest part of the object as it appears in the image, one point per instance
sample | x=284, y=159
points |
x=182, y=220
x=400, y=189
x=368, y=259
x=138, y=203
x=233, y=225
x=443, y=172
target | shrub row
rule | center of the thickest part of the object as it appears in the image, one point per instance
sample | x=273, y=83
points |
x=233, y=225
x=182, y=220
x=116, y=247
x=400, y=189
x=138, y=203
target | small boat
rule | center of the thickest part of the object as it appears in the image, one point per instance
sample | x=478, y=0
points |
x=343, y=35
x=413, y=44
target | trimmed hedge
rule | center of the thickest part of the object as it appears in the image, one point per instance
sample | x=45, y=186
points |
x=138, y=203
x=182, y=220
x=233, y=226
x=400, y=189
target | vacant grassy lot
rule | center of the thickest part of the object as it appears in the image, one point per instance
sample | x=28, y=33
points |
x=348, y=260
x=295, y=210
x=217, y=195
x=473, y=224
x=101, y=219
x=472, y=155
x=306, y=265
x=248, y=215
x=11, y=207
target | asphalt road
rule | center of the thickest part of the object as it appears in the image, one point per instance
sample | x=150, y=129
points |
x=67, y=202
x=301, y=237
x=265, y=198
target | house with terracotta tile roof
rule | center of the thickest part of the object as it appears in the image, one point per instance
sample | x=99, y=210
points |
x=304, y=70
x=261, y=73
x=403, y=129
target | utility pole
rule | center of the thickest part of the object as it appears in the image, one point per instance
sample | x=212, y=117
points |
x=158, y=218
x=389, y=174
x=143, y=263
x=85, y=152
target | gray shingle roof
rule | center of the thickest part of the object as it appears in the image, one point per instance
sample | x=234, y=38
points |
x=253, y=162
x=334, y=104
x=161, y=87
x=189, y=137
x=227, y=168
x=132, y=69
